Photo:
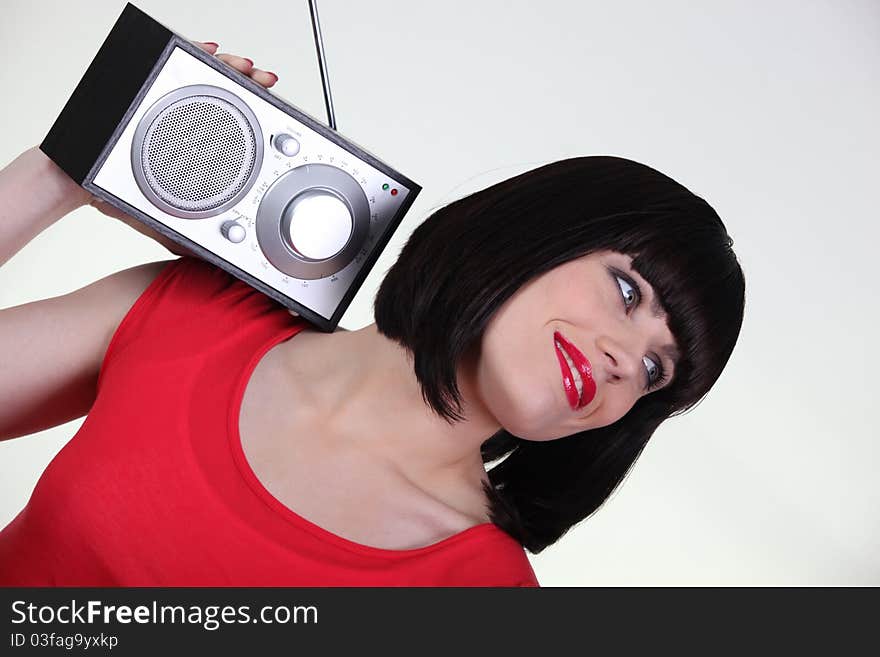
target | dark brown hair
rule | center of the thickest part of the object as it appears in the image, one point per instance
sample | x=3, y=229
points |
x=467, y=258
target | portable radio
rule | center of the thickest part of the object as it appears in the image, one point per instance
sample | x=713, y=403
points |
x=206, y=156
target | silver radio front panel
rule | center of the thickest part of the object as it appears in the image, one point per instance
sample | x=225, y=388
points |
x=219, y=165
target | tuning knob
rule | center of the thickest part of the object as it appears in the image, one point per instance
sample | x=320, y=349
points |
x=317, y=224
x=286, y=144
x=233, y=231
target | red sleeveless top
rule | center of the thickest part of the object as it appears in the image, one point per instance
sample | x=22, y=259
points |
x=154, y=489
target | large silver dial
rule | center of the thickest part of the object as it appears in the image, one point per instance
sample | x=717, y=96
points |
x=316, y=224
x=312, y=221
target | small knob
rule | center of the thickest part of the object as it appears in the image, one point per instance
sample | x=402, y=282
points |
x=233, y=231
x=286, y=144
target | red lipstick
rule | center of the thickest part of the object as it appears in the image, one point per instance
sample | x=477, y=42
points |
x=584, y=368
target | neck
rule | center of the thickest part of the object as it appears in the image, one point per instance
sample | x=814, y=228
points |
x=360, y=387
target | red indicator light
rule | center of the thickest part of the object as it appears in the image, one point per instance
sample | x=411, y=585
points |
x=393, y=192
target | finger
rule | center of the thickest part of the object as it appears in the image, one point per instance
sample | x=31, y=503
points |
x=242, y=64
x=265, y=78
x=208, y=46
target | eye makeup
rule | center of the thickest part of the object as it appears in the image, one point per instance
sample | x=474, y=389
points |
x=662, y=376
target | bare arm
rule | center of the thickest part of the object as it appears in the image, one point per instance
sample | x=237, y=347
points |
x=51, y=350
x=34, y=194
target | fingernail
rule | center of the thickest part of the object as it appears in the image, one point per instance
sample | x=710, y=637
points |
x=211, y=43
x=273, y=75
x=248, y=61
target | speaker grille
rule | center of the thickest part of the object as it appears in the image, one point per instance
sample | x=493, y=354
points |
x=198, y=153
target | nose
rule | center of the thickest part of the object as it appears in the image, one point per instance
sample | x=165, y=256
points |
x=620, y=362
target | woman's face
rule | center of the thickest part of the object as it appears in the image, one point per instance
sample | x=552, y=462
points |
x=600, y=305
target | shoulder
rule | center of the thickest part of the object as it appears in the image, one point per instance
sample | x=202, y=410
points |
x=487, y=556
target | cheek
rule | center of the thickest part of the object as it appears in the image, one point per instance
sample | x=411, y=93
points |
x=517, y=386
x=519, y=406
x=612, y=408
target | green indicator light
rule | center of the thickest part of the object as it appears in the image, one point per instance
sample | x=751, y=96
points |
x=385, y=186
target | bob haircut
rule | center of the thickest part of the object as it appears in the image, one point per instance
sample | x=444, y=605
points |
x=467, y=258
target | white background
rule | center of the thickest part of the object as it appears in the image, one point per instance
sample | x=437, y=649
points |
x=768, y=110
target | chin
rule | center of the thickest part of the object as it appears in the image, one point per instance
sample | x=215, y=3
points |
x=532, y=431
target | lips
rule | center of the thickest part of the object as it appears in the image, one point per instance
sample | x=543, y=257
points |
x=584, y=368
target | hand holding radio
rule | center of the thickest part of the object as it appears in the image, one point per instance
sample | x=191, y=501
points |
x=241, y=64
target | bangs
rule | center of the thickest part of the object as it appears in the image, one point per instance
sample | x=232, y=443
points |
x=690, y=264
x=463, y=262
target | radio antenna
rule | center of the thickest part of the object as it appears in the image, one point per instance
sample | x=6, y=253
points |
x=322, y=64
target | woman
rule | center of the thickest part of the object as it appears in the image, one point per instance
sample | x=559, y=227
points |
x=553, y=320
